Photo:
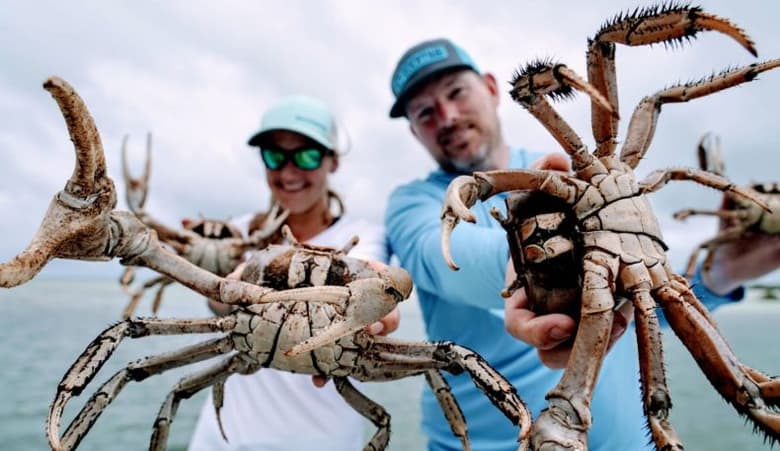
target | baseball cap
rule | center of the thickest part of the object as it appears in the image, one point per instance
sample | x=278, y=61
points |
x=300, y=114
x=420, y=64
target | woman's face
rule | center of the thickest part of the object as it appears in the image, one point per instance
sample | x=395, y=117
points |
x=298, y=190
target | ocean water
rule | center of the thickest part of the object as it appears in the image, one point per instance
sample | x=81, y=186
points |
x=47, y=323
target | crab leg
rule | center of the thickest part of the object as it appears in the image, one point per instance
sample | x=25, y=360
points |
x=722, y=214
x=655, y=391
x=642, y=27
x=272, y=222
x=372, y=411
x=540, y=79
x=455, y=359
x=98, y=352
x=564, y=424
x=163, y=281
x=188, y=386
x=657, y=179
x=137, y=189
x=716, y=359
x=645, y=117
x=463, y=192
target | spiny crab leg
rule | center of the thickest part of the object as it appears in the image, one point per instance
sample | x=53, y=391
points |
x=137, y=189
x=651, y=25
x=670, y=23
x=541, y=78
x=657, y=179
x=464, y=191
x=642, y=126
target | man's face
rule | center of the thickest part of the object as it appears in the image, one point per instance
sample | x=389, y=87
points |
x=455, y=117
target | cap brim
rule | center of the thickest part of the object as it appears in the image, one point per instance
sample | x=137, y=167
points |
x=257, y=139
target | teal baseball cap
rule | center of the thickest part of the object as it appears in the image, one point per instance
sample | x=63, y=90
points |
x=300, y=114
x=422, y=63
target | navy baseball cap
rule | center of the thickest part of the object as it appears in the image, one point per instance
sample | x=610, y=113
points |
x=420, y=64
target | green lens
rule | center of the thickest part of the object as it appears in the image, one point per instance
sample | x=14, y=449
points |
x=273, y=159
x=308, y=159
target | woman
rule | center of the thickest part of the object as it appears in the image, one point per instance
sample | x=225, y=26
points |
x=275, y=410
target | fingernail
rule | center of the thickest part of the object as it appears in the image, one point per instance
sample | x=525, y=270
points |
x=376, y=328
x=556, y=333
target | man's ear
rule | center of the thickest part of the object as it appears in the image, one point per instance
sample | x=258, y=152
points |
x=411, y=129
x=492, y=85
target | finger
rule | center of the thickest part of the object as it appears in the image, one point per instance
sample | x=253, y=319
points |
x=236, y=274
x=319, y=381
x=553, y=161
x=386, y=325
x=377, y=265
x=556, y=358
x=544, y=332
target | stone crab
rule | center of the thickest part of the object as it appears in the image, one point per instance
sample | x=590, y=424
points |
x=603, y=227
x=215, y=245
x=298, y=308
x=743, y=217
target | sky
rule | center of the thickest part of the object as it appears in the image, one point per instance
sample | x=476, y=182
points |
x=198, y=75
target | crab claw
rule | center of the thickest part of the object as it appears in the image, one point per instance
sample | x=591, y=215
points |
x=368, y=301
x=462, y=193
x=76, y=223
x=136, y=188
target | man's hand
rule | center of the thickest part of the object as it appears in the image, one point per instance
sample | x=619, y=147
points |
x=551, y=334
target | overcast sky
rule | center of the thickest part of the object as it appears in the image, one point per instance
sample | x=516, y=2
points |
x=198, y=75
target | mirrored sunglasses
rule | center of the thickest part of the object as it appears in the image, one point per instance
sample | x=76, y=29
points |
x=307, y=158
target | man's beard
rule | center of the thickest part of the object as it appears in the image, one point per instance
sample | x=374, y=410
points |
x=478, y=162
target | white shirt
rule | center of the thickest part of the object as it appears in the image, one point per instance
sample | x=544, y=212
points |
x=273, y=410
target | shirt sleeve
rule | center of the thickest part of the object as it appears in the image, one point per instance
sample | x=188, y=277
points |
x=710, y=299
x=414, y=232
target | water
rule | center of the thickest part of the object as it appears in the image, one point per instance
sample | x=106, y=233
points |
x=45, y=324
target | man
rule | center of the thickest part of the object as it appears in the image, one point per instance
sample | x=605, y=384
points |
x=452, y=111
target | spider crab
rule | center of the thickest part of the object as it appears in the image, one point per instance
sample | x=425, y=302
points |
x=214, y=245
x=299, y=308
x=744, y=217
x=621, y=246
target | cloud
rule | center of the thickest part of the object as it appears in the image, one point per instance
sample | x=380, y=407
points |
x=199, y=74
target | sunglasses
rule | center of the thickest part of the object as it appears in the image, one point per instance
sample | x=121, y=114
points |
x=307, y=158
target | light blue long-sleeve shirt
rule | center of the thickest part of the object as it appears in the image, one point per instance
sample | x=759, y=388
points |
x=465, y=307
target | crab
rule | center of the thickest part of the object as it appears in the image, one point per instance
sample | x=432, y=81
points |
x=298, y=308
x=214, y=245
x=620, y=249
x=744, y=217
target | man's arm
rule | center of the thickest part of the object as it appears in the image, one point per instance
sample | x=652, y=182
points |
x=414, y=230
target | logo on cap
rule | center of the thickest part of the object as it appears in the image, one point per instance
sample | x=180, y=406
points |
x=415, y=62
